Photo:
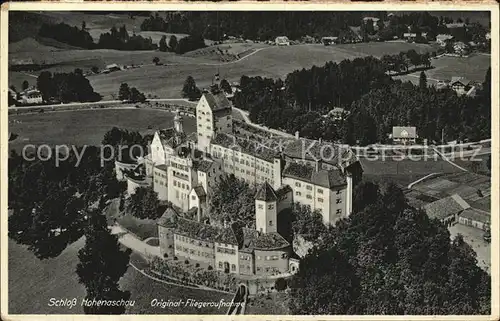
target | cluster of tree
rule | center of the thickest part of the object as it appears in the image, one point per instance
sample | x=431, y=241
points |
x=119, y=39
x=67, y=34
x=122, y=141
x=402, y=61
x=133, y=95
x=189, y=90
x=102, y=264
x=218, y=25
x=48, y=198
x=172, y=43
x=307, y=223
x=374, y=101
x=432, y=111
x=144, y=203
x=233, y=201
x=389, y=258
x=66, y=87
x=186, y=44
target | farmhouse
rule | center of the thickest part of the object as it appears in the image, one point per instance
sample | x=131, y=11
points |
x=374, y=21
x=329, y=40
x=410, y=36
x=462, y=86
x=111, y=68
x=455, y=25
x=475, y=218
x=447, y=209
x=31, y=96
x=460, y=48
x=442, y=39
x=282, y=41
x=404, y=135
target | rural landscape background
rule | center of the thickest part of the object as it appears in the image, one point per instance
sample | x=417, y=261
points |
x=161, y=75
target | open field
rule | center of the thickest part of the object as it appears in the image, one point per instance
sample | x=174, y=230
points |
x=86, y=127
x=56, y=278
x=473, y=68
x=274, y=62
x=404, y=172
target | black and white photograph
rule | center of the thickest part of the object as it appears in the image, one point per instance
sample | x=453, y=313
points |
x=218, y=161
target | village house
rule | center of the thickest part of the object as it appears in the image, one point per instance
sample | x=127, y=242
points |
x=462, y=86
x=30, y=96
x=442, y=39
x=460, y=48
x=404, y=135
x=447, y=209
x=329, y=40
x=374, y=21
x=282, y=41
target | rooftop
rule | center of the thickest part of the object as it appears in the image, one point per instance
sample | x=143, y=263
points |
x=266, y=193
x=325, y=178
x=476, y=215
x=246, y=146
x=315, y=150
x=446, y=207
x=217, y=101
x=170, y=137
x=205, y=232
x=251, y=240
x=200, y=191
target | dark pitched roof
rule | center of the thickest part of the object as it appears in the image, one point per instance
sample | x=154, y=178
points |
x=217, y=101
x=172, y=138
x=246, y=146
x=266, y=193
x=315, y=150
x=168, y=218
x=200, y=191
x=204, y=165
x=445, y=207
x=283, y=190
x=200, y=231
x=163, y=167
x=325, y=178
x=270, y=241
x=247, y=239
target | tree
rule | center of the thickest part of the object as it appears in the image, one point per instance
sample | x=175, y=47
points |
x=101, y=265
x=224, y=85
x=25, y=85
x=84, y=26
x=233, y=200
x=189, y=90
x=144, y=203
x=94, y=69
x=136, y=95
x=11, y=100
x=422, y=83
x=156, y=60
x=163, y=43
x=172, y=43
x=124, y=92
x=307, y=223
x=390, y=258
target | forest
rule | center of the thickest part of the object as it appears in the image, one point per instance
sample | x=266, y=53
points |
x=389, y=258
x=373, y=101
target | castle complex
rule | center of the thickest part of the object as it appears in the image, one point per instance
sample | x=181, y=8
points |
x=184, y=169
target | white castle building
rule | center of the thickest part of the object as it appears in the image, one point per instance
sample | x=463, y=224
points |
x=183, y=169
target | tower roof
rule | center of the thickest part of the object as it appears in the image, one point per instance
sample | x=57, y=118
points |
x=266, y=193
x=217, y=101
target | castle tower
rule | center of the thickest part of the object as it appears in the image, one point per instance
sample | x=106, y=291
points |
x=178, y=122
x=266, y=209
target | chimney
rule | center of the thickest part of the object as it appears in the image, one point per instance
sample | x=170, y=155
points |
x=297, y=135
x=317, y=165
x=199, y=214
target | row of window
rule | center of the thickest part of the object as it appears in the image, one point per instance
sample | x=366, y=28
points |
x=181, y=185
x=221, y=266
x=226, y=251
x=160, y=182
x=208, y=255
x=272, y=258
x=179, y=166
x=160, y=175
x=269, y=206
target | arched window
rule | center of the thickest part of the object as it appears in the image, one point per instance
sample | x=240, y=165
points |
x=233, y=267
